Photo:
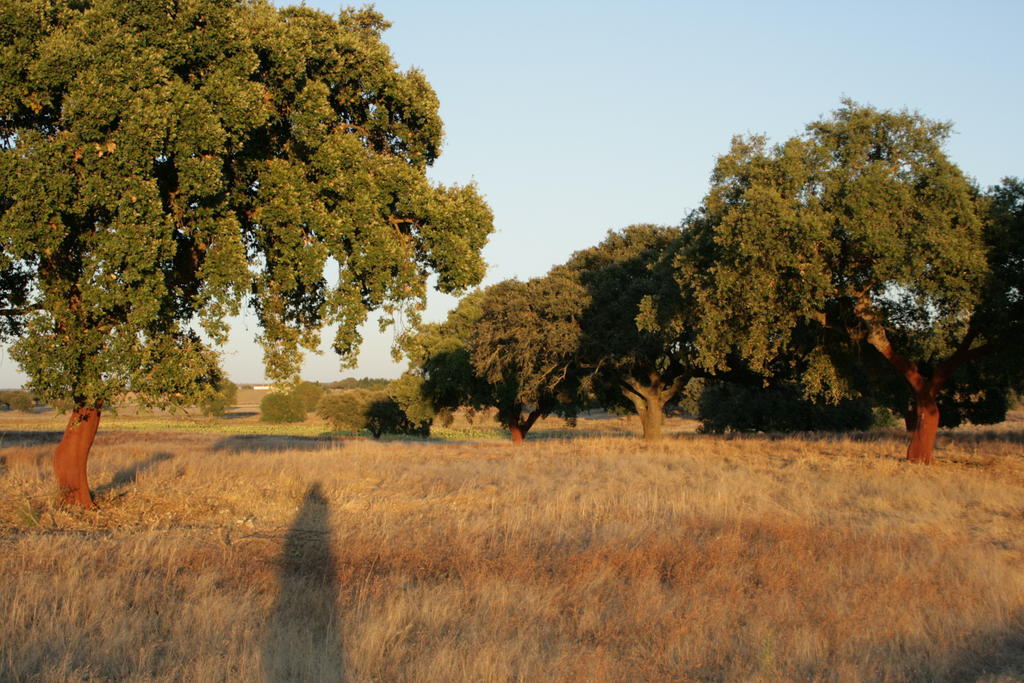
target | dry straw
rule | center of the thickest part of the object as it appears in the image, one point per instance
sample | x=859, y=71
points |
x=219, y=557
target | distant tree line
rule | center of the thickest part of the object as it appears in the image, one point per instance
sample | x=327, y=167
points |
x=365, y=383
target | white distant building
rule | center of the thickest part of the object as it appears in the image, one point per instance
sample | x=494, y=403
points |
x=261, y=387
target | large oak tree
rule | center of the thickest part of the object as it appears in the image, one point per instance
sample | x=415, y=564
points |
x=525, y=345
x=164, y=163
x=860, y=236
x=511, y=347
x=622, y=362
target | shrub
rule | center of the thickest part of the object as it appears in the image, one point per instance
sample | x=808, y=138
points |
x=310, y=394
x=408, y=391
x=385, y=416
x=688, y=400
x=742, y=408
x=17, y=399
x=374, y=411
x=278, y=407
x=345, y=410
x=218, y=404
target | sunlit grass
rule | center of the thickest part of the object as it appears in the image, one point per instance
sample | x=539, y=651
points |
x=270, y=557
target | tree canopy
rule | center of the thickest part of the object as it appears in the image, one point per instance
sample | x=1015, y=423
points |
x=510, y=346
x=162, y=165
x=858, y=237
x=623, y=362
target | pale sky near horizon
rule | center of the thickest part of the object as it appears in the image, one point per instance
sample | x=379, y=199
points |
x=575, y=118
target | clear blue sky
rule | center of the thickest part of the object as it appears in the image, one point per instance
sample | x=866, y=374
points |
x=576, y=118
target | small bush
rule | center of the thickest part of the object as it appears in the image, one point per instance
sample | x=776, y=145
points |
x=374, y=411
x=408, y=391
x=278, y=407
x=385, y=416
x=345, y=410
x=218, y=404
x=17, y=399
x=310, y=394
x=883, y=418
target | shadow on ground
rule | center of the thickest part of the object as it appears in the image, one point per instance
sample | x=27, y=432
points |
x=985, y=436
x=128, y=475
x=992, y=656
x=303, y=639
x=944, y=436
x=251, y=443
x=238, y=415
x=29, y=438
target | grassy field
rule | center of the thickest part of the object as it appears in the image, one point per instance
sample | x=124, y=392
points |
x=244, y=556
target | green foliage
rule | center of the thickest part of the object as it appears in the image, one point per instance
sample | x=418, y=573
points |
x=17, y=400
x=410, y=393
x=730, y=407
x=161, y=164
x=863, y=217
x=690, y=395
x=640, y=367
x=439, y=355
x=225, y=397
x=369, y=383
x=346, y=410
x=384, y=415
x=309, y=394
x=279, y=407
x=375, y=411
x=509, y=346
x=555, y=342
x=525, y=343
x=857, y=242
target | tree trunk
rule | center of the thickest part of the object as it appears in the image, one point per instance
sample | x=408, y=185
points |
x=651, y=409
x=518, y=427
x=649, y=401
x=69, y=459
x=926, y=426
x=518, y=433
x=651, y=418
x=910, y=418
x=924, y=417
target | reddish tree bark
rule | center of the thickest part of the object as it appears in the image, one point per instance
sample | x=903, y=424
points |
x=923, y=422
x=72, y=453
x=519, y=426
x=926, y=427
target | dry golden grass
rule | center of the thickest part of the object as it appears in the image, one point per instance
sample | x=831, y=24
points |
x=219, y=557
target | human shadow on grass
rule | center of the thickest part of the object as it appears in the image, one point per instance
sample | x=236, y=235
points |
x=996, y=655
x=302, y=640
x=129, y=474
x=251, y=443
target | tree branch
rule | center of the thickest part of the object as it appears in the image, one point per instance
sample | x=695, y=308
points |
x=963, y=354
x=674, y=388
x=880, y=341
x=631, y=385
